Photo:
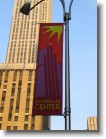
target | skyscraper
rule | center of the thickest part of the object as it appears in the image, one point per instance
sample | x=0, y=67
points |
x=17, y=75
x=92, y=123
x=23, y=42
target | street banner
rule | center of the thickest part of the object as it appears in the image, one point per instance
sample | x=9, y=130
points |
x=48, y=76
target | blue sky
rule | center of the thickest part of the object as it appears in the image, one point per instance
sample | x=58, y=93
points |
x=83, y=61
x=83, y=57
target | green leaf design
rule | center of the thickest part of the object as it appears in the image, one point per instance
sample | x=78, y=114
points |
x=53, y=30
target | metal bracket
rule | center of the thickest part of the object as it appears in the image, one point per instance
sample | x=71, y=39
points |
x=67, y=17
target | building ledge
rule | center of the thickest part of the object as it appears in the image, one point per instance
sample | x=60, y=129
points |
x=14, y=66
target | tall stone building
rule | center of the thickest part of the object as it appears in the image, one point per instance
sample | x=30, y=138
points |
x=23, y=42
x=92, y=123
x=17, y=74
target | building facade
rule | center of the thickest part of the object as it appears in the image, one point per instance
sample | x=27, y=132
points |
x=24, y=34
x=17, y=74
x=92, y=123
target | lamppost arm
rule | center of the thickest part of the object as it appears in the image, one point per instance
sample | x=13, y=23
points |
x=25, y=9
x=71, y=2
x=36, y=5
x=64, y=8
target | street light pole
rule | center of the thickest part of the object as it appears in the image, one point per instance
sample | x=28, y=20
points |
x=67, y=76
x=67, y=17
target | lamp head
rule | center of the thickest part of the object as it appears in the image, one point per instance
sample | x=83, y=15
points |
x=25, y=8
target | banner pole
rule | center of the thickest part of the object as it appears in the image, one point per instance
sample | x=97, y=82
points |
x=67, y=75
x=67, y=115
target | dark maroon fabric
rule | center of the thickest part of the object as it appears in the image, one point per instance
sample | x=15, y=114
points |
x=48, y=77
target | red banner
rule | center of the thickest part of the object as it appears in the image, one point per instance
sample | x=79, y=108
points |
x=48, y=78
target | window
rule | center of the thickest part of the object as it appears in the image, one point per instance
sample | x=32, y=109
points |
x=27, y=102
x=32, y=59
x=14, y=77
x=8, y=127
x=19, y=90
x=30, y=76
x=28, y=94
x=11, y=102
x=27, y=110
x=17, y=109
x=6, y=77
x=1, y=78
x=13, y=91
x=18, y=98
x=11, y=109
x=13, y=85
x=19, y=84
x=32, y=126
x=15, y=128
x=26, y=118
x=1, y=109
x=4, y=95
x=0, y=83
x=10, y=117
x=29, y=87
x=1, y=118
x=5, y=87
x=16, y=118
x=33, y=119
x=20, y=76
x=26, y=127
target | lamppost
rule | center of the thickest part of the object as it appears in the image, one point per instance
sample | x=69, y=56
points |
x=66, y=17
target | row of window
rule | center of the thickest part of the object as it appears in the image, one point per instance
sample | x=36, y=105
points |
x=24, y=35
x=18, y=95
x=15, y=127
x=21, y=43
x=5, y=81
x=14, y=78
x=21, y=56
x=17, y=117
x=16, y=110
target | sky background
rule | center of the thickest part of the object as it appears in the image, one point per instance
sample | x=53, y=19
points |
x=83, y=57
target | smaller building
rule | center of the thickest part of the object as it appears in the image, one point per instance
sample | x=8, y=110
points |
x=92, y=123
